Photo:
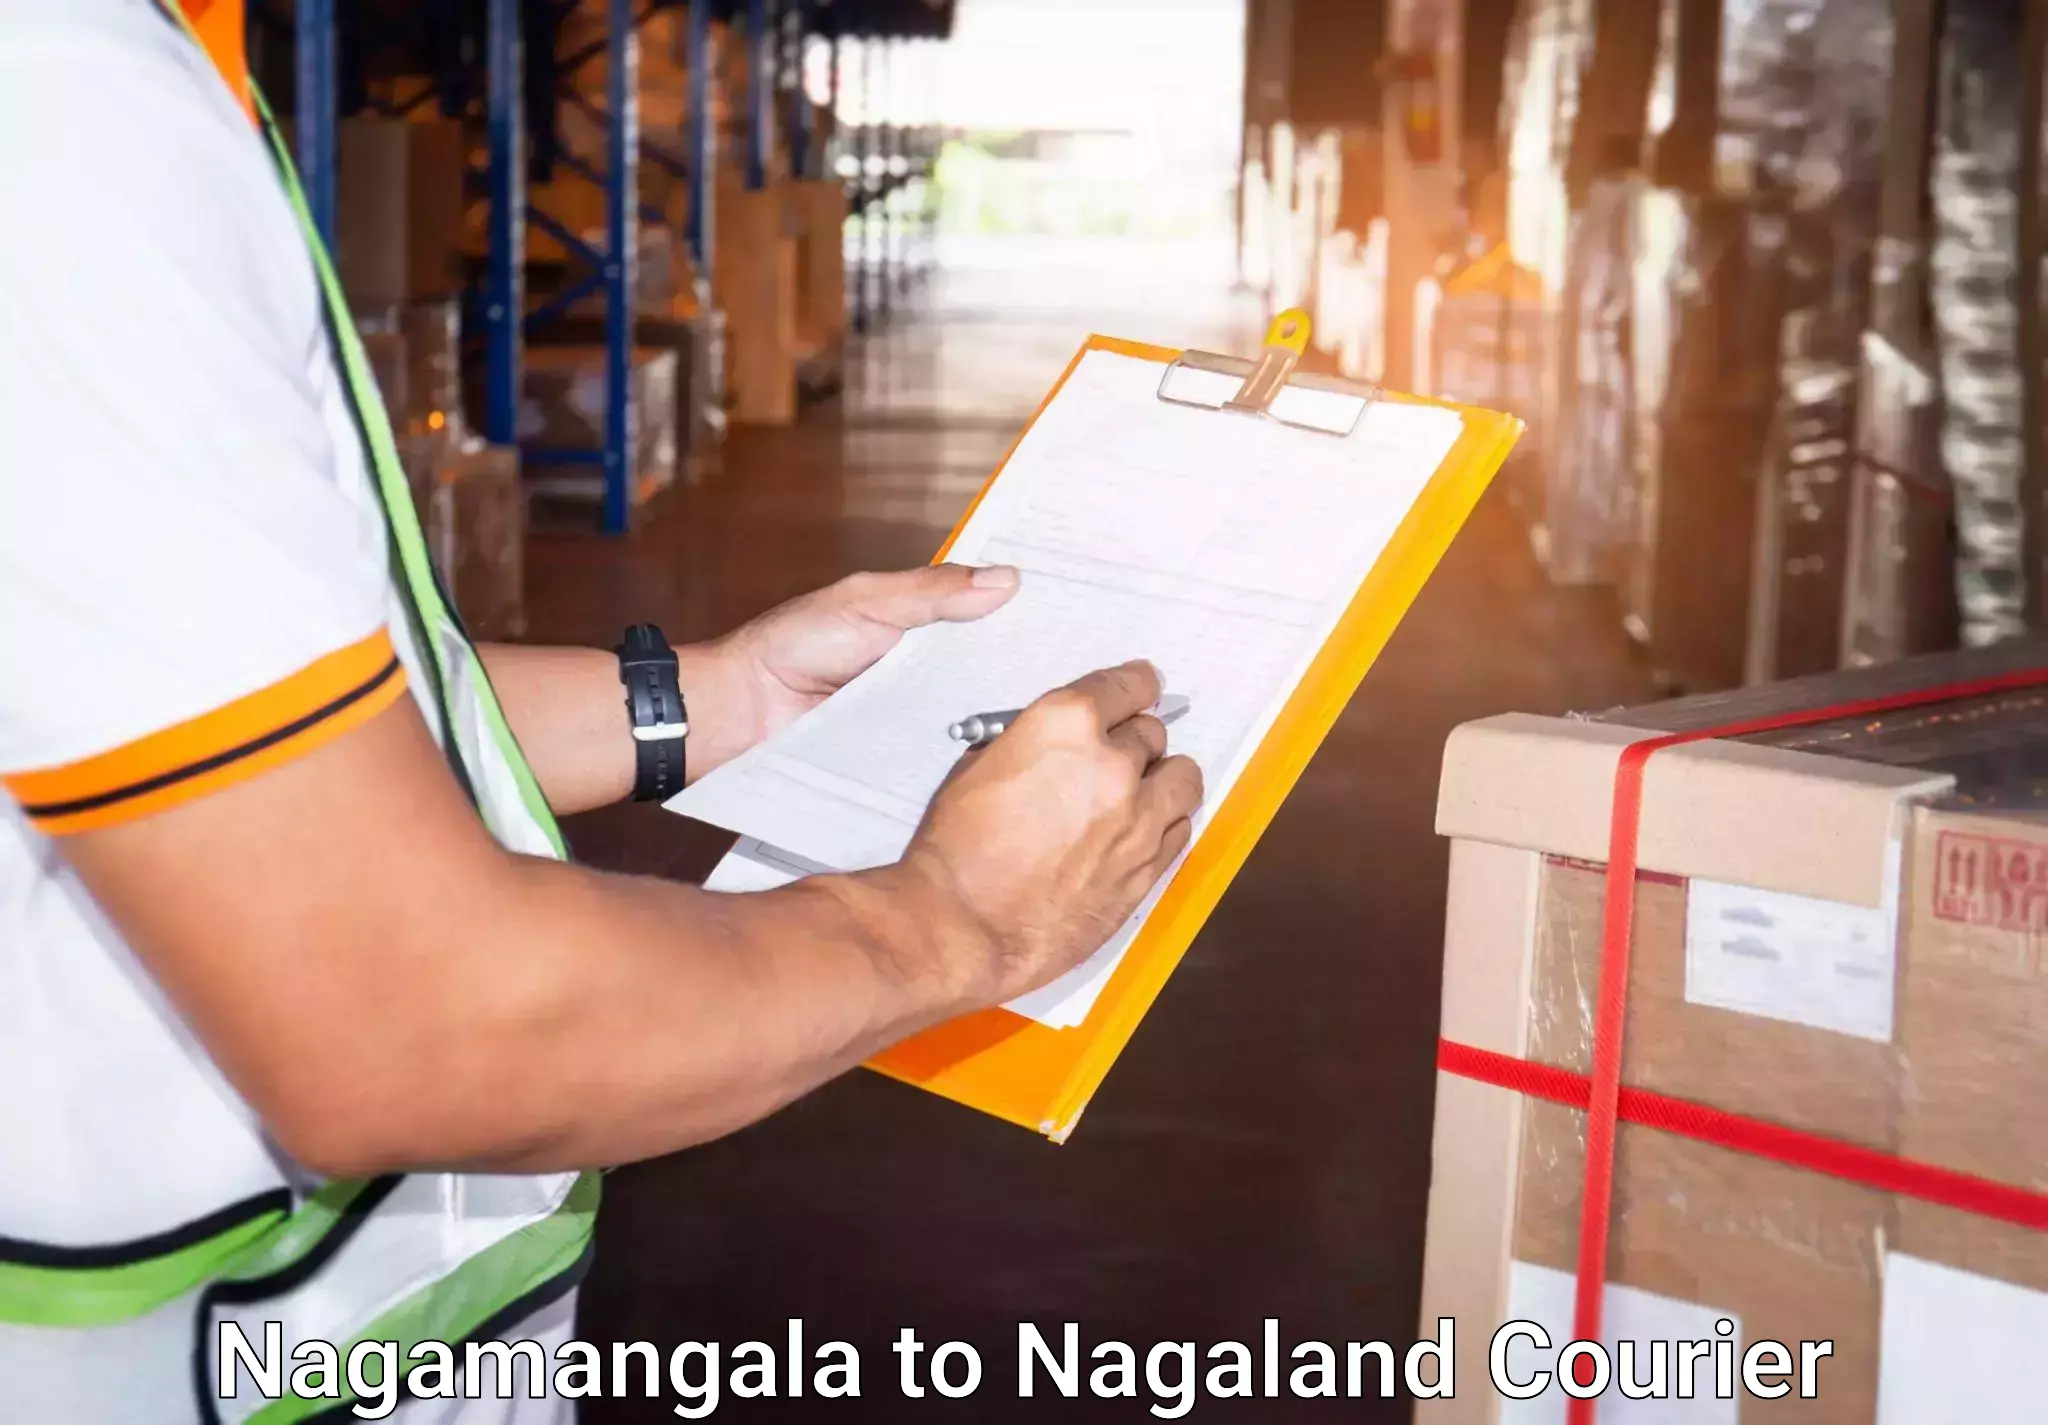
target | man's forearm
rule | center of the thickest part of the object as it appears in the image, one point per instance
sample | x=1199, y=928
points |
x=568, y=710
x=391, y=989
x=604, y=1019
x=648, y=1016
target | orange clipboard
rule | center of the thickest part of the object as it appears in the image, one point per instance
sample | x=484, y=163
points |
x=1042, y=1078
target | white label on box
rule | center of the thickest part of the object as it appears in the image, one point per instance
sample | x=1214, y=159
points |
x=1544, y=1296
x=1960, y=1349
x=1795, y=958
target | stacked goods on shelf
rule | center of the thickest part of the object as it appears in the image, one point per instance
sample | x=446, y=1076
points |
x=1975, y=276
x=400, y=209
x=1832, y=1064
x=755, y=266
x=1548, y=48
x=1480, y=324
x=1675, y=246
x=1752, y=287
x=819, y=207
x=562, y=412
x=660, y=46
x=475, y=520
x=1809, y=95
x=700, y=387
x=1899, y=597
x=432, y=415
x=471, y=504
x=1704, y=347
x=672, y=300
x=1475, y=331
x=1589, y=499
x=372, y=233
x=1707, y=316
x=437, y=206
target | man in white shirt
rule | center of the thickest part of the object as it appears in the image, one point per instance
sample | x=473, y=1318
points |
x=302, y=1018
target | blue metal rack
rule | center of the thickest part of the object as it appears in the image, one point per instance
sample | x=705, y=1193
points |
x=504, y=294
x=314, y=70
x=700, y=143
x=610, y=266
x=610, y=263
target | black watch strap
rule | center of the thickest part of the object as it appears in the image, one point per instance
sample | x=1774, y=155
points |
x=654, y=703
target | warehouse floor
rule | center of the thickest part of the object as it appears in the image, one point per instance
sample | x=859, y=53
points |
x=1262, y=1148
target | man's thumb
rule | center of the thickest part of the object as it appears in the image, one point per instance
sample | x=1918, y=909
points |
x=942, y=592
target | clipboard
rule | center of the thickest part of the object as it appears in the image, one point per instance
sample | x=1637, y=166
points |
x=1041, y=1077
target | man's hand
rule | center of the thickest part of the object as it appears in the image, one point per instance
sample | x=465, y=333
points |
x=790, y=659
x=1049, y=837
x=568, y=710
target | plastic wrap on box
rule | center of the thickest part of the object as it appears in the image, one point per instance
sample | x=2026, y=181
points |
x=1903, y=1017
x=700, y=394
x=476, y=531
x=1787, y=1254
x=1974, y=266
x=1660, y=227
x=1689, y=575
x=1750, y=298
x=1479, y=333
x=1822, y=144
x=1549, y=44
x=1900, y=592
x=433, y=356
x=1994, y=745
x=1767, y=92
x=1899, y=597
x=562, y=409
x=1589, y=508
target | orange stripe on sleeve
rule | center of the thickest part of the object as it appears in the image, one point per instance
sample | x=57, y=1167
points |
x=217, y=749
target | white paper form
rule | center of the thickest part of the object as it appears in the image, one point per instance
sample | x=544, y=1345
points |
x=1222, y=548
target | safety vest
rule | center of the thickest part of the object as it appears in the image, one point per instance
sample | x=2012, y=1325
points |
x=446, y=1257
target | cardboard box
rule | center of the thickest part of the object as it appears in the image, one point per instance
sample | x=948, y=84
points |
x=371, y=219
x=562, y=407
x=1835, y=930
x=478, y=538
x=755, y=277
x=1973, y=1025
x=437, y=163
x=821, y=265
x=472, y=511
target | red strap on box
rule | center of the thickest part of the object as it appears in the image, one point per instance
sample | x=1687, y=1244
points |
x=1603, y=1093
x=1981, y=1197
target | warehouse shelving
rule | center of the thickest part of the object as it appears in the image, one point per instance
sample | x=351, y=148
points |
x=501, y=314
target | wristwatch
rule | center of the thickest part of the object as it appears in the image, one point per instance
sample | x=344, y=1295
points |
x=654, y=702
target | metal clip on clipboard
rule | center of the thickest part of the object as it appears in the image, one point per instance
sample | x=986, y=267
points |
x=1268, y=387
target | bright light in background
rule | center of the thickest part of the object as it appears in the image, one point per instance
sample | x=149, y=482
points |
x=1168, y=67
x=1090, y=118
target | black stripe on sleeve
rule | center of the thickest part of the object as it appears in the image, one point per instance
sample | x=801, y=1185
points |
x=46, y=810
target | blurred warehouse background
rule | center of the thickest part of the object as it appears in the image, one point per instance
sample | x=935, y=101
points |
x=1762, y=275
x=1763, y=272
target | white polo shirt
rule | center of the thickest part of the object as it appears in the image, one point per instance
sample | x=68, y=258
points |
x=194, y=588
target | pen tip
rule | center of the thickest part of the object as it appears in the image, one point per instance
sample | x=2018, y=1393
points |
x=956, y=731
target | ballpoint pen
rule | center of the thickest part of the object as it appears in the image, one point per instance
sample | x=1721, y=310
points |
x=985, y=727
